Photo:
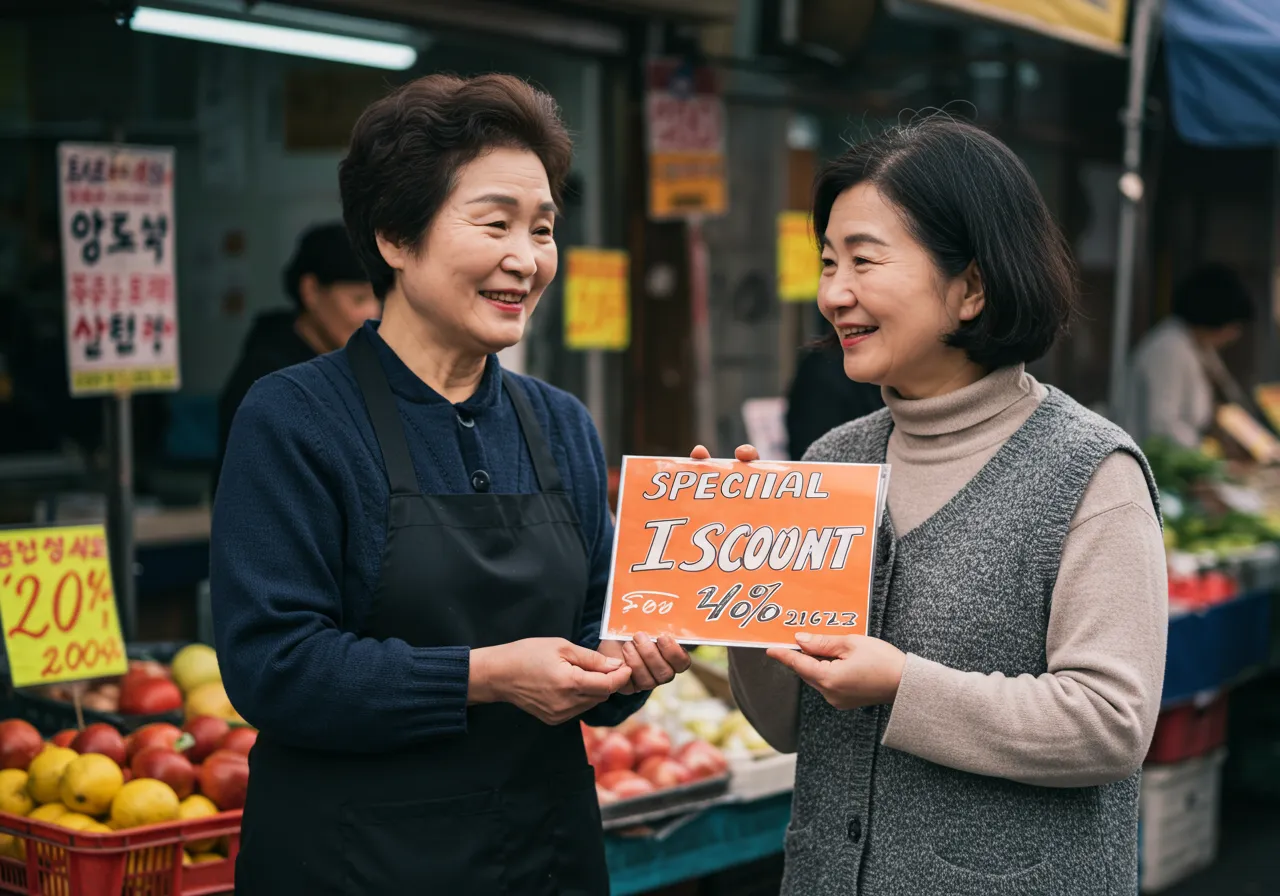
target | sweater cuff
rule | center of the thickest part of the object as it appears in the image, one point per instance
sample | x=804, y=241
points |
x=616, y=710
x=923, y=681
x=440, y=677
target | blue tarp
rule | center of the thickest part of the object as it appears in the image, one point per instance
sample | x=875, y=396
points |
x=1224, y=70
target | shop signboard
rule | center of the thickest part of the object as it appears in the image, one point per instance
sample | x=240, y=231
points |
x=58, y=606
x=799, y=262
x=118, y=259
x=1099, y=24
x=722, y=552
x=685, y=119
x=597, y=306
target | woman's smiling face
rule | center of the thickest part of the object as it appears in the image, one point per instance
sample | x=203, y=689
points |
x=890, y=305
x=487, y=256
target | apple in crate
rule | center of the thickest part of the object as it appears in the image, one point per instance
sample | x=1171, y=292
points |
x=663, y=772
x=613, y=753
x=101, y=738
x=20, y=742
x=648, y=741
x=625, y=784
x=702, y=759
x=163, y=764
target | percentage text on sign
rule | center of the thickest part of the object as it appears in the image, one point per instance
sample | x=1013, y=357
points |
x=67, y=603
x=757, y=605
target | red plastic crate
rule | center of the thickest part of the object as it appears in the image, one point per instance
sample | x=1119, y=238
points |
x=1189, y=732
x=138, y=862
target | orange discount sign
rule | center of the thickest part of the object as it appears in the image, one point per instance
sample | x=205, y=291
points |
x=722, y=552
x=57, y=605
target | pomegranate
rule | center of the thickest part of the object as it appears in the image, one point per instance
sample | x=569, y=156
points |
x=20, y=742
x=101, y=738
x=64, y=737
x=224, y=778
x=149, y=696
x=614, y=753
x=702, y=759
x=625, y=784
x=157, y=734
x=239, y=740
x=163, y=764
x=208, y=732
x=648, y=741
x=663, y=772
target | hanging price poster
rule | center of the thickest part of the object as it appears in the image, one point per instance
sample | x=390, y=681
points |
x=57, y=605
x=799, y=261
x=597, y=307
x=722, y=552
x=117, y=249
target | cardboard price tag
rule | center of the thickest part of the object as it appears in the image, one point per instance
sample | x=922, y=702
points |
x=57, y=605
x=721, y=552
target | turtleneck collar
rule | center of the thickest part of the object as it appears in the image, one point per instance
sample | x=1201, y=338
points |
x=406, y=384
x=979, y=407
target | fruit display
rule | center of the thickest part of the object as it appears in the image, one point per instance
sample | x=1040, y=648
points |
x=102, y=781
x=189, y=686
x=639, y=758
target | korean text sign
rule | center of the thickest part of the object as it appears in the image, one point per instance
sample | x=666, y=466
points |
x=118, y=259
x=597, y=309
x=57, y=605
x=721, y=552
x=685, y=118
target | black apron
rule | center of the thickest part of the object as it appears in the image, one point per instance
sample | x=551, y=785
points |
x=509, y=807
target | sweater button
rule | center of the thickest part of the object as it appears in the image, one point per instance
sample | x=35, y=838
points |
x=465, y=419
x=480, y=481
x=855, y=829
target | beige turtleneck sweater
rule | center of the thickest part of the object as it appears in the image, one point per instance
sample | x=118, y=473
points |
x=1090, y=718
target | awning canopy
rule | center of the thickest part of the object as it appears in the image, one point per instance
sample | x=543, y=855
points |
x=1224, y=70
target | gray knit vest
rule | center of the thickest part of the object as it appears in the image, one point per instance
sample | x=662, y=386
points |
x=970, y=588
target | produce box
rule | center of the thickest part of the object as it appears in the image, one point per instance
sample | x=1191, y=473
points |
x=145, y=861
x=51, y=709
x=1179, y=810
x=1214, y=647
x=1190, y=731
x=758, y=777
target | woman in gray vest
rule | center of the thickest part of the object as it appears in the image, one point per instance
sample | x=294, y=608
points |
x=987, y=737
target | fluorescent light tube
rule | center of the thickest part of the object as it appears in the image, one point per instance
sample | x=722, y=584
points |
x=274, y=38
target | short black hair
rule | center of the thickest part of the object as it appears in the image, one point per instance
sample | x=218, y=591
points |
x=407, y=147
x=966, y=197
x=325, y=252
x=1213, y=296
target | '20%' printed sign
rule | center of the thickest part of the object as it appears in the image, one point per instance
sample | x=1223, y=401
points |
x=720, y=552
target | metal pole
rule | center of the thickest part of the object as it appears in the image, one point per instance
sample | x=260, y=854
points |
x=119, y=432
x=593, y=228
x=120, y=503
x=704, y=408
x=1145, y=30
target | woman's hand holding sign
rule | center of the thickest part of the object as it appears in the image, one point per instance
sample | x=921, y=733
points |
x=652, y=662
x=847, y=670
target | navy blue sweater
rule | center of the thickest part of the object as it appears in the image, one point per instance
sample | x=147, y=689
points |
x=299, y=525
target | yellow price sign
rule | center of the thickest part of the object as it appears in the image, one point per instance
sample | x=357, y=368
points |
x=799, y=262
x=57, y=605
x=1268, y=398
x=597, y=307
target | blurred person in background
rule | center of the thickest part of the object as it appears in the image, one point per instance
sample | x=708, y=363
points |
x=823, y=397
x=332, y=297
x=1175, y=366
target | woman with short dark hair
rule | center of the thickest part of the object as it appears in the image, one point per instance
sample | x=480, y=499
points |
x=411, y=546
x=1170, y=392
x=986, y=737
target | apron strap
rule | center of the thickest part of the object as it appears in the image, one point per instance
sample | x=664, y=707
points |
x=543, y=464
x=383, y=413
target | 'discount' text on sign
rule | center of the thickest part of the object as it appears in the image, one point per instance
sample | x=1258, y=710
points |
x=721, y=552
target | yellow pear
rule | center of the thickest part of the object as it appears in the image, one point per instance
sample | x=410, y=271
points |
x=44, y=777
x=13, y=793
x=144, y=801
x=90, y=783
